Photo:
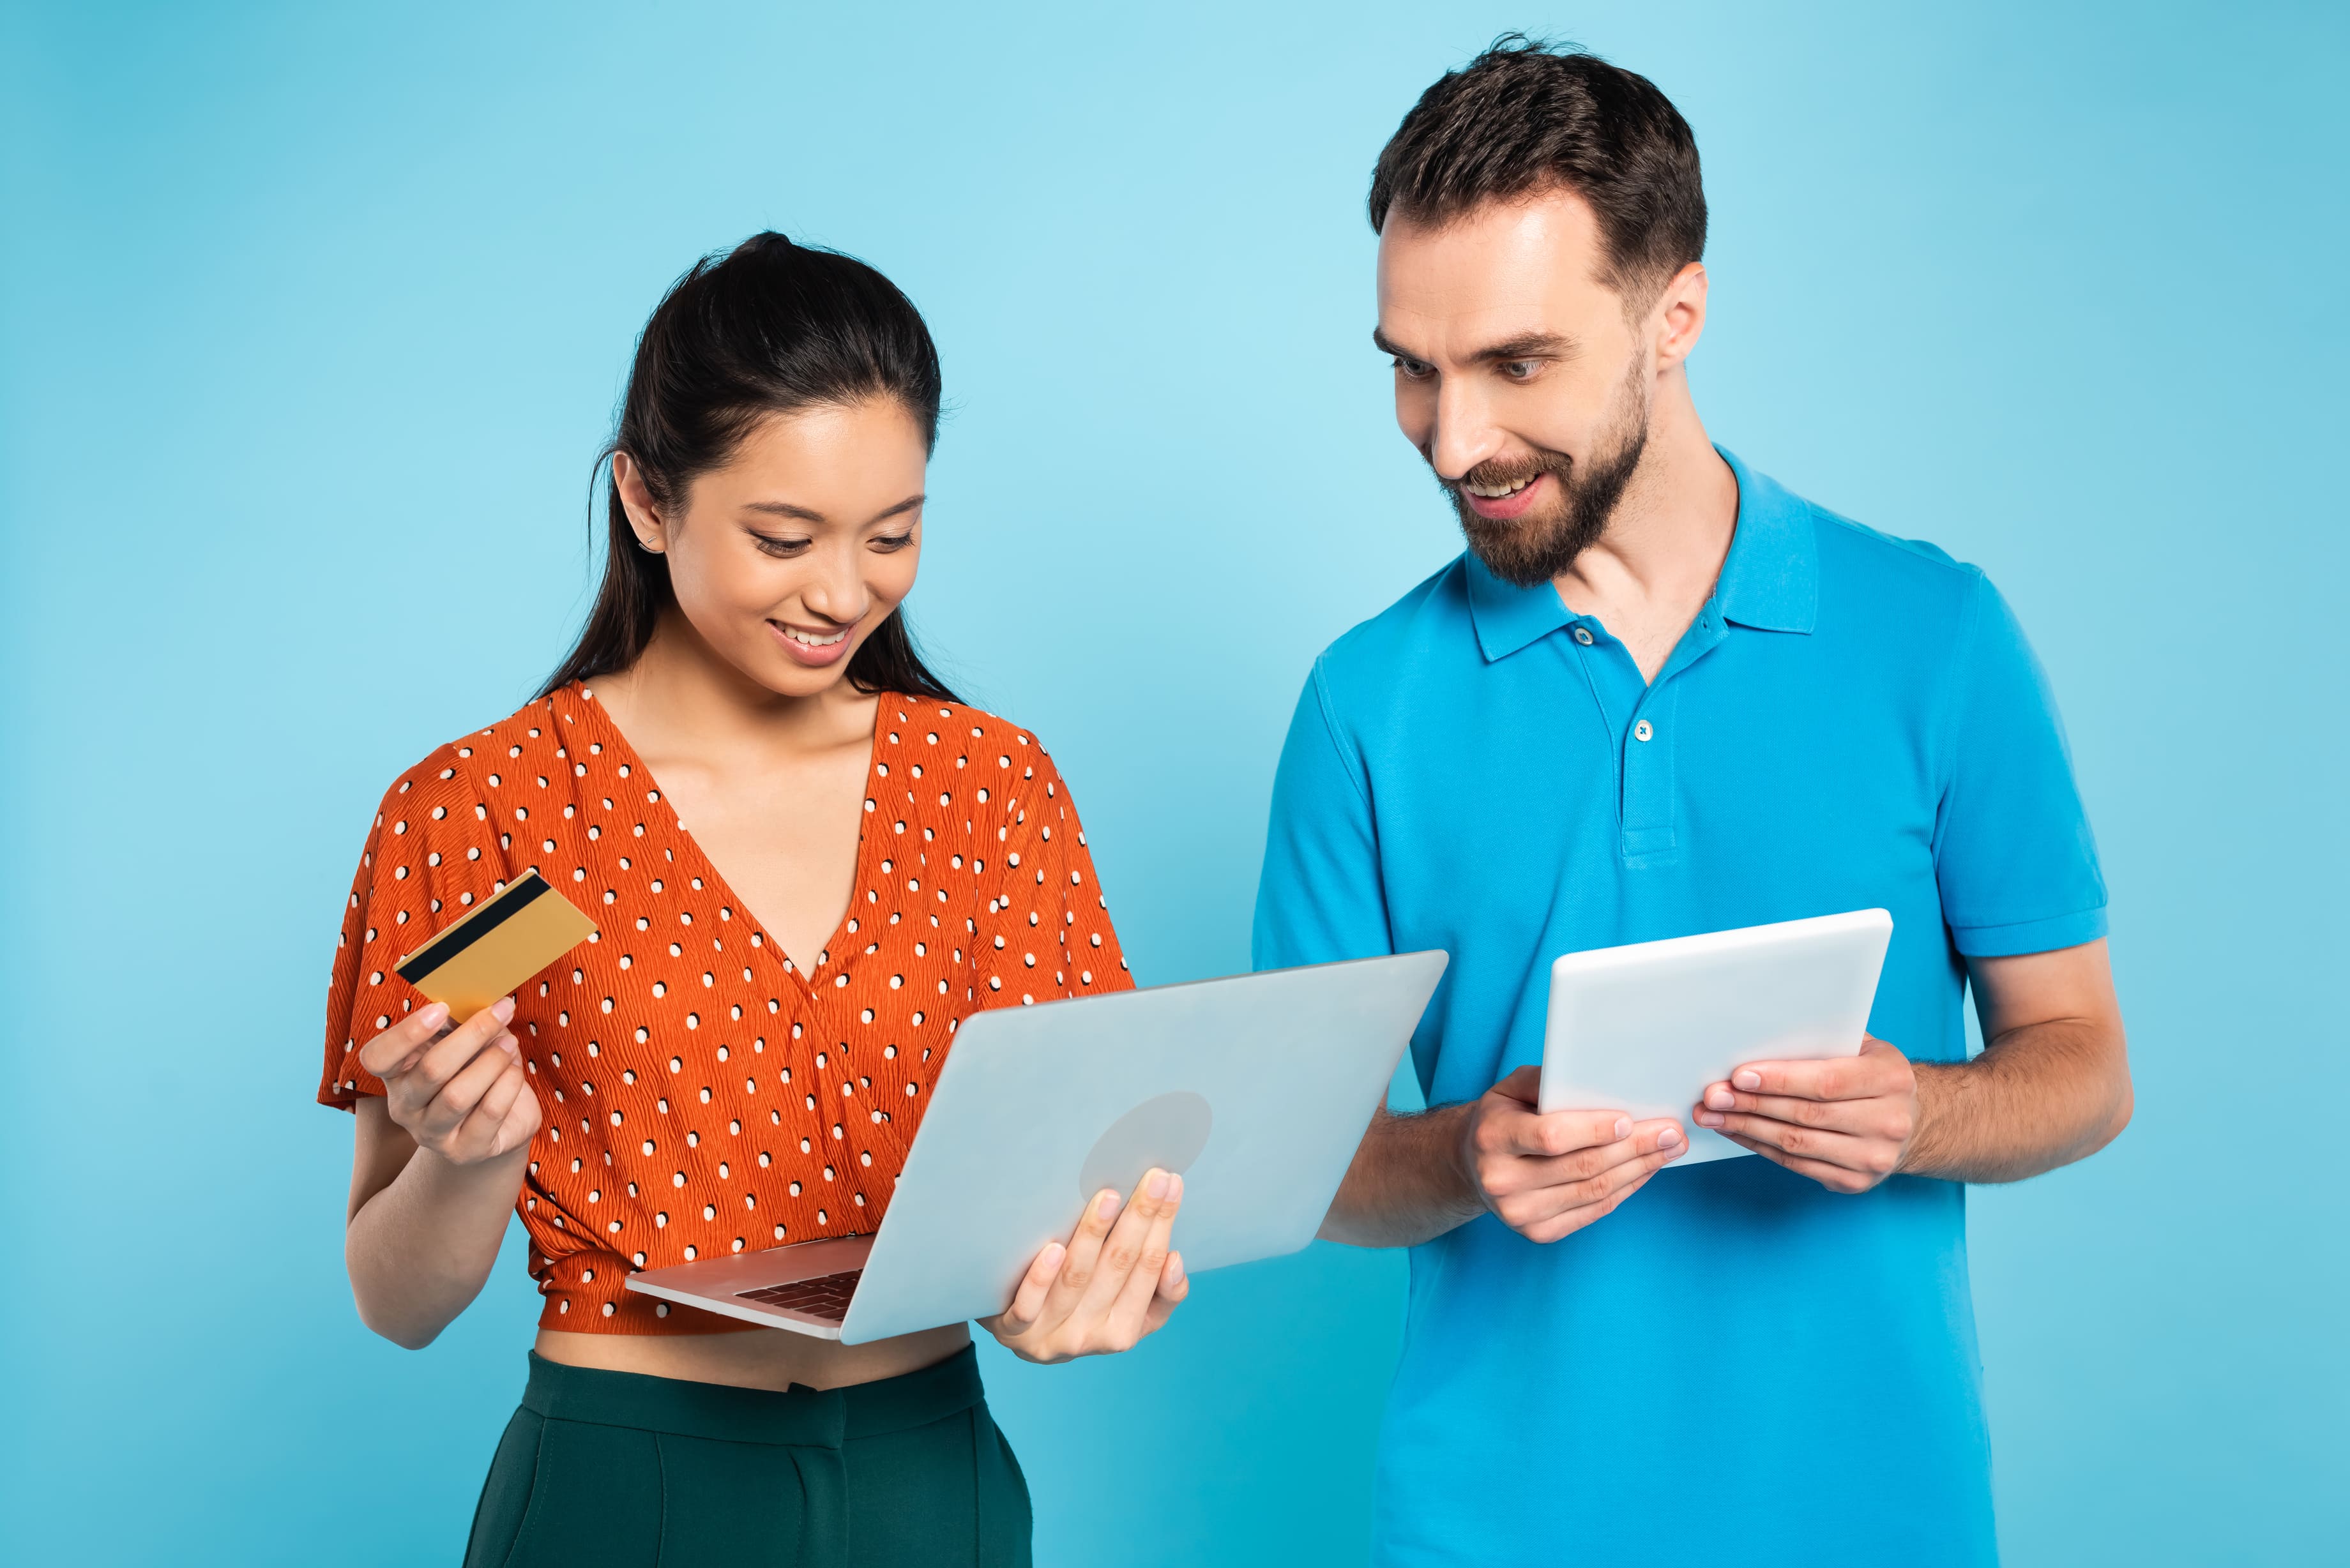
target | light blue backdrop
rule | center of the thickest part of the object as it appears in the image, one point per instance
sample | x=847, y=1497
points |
x=314, y=315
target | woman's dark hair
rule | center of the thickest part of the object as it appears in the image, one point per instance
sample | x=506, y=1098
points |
x=770, y=328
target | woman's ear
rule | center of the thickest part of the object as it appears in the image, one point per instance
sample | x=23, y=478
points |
x=644, y=517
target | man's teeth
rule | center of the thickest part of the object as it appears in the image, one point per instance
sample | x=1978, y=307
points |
x=805, y=641
x=1495, y=492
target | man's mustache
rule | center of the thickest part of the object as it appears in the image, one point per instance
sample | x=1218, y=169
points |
x=1499, y=473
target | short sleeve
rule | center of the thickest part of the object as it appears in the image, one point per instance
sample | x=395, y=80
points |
x=430, y=854
x=2013, y=858
x=1320, y=898
x=1047, y=935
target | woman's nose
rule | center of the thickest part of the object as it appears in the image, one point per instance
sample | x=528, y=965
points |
x=837, y=591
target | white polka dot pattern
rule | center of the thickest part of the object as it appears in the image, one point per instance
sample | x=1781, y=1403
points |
x=700, y=1095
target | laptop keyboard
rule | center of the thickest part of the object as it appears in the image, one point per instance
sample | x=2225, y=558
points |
x=826, y=1296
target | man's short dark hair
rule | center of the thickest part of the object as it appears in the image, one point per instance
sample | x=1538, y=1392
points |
x=1526, y=115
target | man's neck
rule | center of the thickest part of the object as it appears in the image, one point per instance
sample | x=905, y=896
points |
x=1653, y=569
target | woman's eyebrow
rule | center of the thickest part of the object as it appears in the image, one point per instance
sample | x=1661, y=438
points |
x=784, y=509
x=809, y=514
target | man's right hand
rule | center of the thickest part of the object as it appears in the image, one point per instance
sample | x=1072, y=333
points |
x=1549, y=1176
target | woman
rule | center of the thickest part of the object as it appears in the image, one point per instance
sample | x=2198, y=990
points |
x=740, y=1055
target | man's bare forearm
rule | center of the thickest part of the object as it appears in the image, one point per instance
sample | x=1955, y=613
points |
x=2038, y=1097
x=1406, y=1185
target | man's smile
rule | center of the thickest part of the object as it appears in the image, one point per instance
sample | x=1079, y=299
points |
x=1503, y=501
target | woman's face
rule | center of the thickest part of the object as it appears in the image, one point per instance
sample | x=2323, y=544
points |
x=786, y=560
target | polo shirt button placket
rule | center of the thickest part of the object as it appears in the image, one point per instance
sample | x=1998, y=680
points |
x=1647, y=780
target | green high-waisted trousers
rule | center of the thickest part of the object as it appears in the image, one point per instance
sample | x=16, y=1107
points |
x=613, y=1468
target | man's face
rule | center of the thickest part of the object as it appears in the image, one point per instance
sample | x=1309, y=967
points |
x=1517, y=375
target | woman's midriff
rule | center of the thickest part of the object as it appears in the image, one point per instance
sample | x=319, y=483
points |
x=756, y=1358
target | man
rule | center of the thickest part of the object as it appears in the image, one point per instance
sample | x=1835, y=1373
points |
x=1662, y=695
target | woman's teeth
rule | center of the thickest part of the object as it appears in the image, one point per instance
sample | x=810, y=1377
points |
x=1495, y=492
x=809, y=640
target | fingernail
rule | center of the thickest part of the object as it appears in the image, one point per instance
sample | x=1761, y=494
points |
x=1709, y=1119
x=1669, y=1137
x=434, y=1015
x=1052, y=1254
x=1623, y=1127
x=1159, y=1183
x=510, y=1045
x=1174, y=1184
x=1747, y=1078
x=1105, y=1205
x=1719, y=1099
x=503, y=1008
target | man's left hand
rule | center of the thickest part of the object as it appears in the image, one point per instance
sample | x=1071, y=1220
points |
x=1846, y=1123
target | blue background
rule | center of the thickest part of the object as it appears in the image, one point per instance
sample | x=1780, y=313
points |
x=313, y=316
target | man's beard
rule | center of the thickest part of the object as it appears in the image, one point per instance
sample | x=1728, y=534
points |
x=1538, y=545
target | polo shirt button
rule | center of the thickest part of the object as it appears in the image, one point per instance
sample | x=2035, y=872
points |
x=1643, y=730
x=1583, y=635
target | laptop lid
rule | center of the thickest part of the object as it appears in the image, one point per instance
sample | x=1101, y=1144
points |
x=1257, y=1088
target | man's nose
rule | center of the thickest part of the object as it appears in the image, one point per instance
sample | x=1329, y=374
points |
x=1464, y=434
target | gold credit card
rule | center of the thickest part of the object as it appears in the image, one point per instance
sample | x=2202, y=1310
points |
x=496, y=945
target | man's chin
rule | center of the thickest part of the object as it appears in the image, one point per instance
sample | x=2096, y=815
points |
x=1526, y=551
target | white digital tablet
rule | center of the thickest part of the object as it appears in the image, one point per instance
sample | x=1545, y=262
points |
x=1257, y=1088
x=1643, y=1029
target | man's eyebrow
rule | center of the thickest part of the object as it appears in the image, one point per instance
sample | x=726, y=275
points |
x=1524, y=346
x=1529, y=345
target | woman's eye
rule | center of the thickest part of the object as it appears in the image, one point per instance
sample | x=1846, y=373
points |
x=784, y=548
x=893, y=541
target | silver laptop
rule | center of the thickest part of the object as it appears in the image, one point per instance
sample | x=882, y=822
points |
x=1257, y=1088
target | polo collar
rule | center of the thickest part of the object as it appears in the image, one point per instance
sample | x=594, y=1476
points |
x=1769, y=580
x=1509, y=618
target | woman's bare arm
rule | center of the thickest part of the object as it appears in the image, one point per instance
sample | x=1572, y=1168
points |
x=434, y=1170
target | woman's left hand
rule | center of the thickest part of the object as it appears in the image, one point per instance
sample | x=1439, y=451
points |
x=1114, y=1282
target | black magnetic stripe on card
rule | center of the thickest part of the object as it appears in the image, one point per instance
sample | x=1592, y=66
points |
x=517, y=896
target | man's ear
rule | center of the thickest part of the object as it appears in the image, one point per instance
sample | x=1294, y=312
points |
x=1679, y=316
x=644, y=517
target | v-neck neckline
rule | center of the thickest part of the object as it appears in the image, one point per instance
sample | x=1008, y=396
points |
x=628, y=756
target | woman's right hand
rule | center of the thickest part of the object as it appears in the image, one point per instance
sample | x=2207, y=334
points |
x=462, y=1092
x=1114, y=1282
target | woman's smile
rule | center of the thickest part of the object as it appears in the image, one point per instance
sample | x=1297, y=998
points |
x=811, y=647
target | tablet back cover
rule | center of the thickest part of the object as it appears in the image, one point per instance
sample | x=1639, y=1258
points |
x=1644, y=1028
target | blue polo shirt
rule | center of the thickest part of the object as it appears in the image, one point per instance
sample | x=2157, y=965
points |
x=1737, y=1366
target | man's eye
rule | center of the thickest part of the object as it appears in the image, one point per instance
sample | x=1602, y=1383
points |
x=1412, y=368
x=1520, y=369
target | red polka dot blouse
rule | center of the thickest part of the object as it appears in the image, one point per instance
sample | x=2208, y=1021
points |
x=699, y=1094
